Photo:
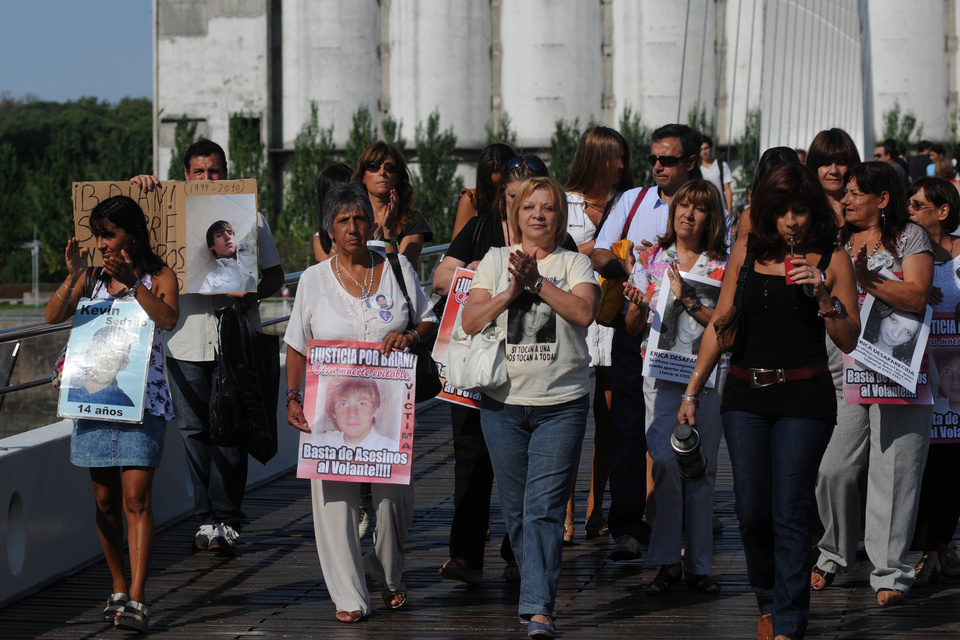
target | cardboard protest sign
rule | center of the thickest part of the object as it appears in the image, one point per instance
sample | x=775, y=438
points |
x=456, y=301
x=165, y=209
x=675, y=335
x=360, y=409
x=105, y=371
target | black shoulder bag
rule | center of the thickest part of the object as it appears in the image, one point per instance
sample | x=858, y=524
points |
x=729, y=328
x=428, y=376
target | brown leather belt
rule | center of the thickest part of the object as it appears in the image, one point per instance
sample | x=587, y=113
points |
x=765, y=377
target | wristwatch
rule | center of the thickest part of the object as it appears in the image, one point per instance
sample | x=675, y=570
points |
x=695, y=305
x=832, y=311
x=132, y=291
x=537, y=286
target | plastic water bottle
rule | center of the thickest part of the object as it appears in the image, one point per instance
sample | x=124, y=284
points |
x=689, y=453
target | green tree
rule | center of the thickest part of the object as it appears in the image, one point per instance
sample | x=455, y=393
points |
x=563, y=146
x=506, y=135
x=436, y=184
x=14, y=205
x=900, y=126
x=393, y=132
x=247, y=157
x=638, y=137
x=313, y=151
x=749, y=148
x=184, y=134
x=362, y=135
x=704, y=126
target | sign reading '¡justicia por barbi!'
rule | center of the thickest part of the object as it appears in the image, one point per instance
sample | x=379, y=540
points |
x=359, y=405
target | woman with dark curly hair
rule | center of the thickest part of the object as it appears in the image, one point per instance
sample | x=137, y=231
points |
x=398, y=225
x=886, y=442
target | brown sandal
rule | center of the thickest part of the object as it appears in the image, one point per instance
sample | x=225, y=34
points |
x=889, y=597
x=349, y=616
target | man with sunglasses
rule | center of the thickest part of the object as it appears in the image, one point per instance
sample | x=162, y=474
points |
x=191, y=358
x=887, y=152
x=674, y=158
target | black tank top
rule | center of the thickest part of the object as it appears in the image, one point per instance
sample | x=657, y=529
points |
x=782, y=331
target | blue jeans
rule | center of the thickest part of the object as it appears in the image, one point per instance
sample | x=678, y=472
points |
x=775, y=461
x=191, y=386
x=534, y=451
x=628, y=440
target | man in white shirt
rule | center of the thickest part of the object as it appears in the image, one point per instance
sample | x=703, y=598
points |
x=675, y=152
x=716, y=171
x=191, y=370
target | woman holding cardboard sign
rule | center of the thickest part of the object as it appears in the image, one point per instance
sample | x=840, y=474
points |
x=336, y=300
x=122, y=457
x=534, y=424
x=887, y=442
x=779, y=405
x=695, y=243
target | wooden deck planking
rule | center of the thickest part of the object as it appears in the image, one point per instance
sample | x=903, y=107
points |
x=273, y=588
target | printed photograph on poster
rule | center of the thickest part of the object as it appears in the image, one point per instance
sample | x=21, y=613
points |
x=892, y=341
x=105, y=371
x=359, y=406
x=531, y=330
x=452, y=310
x=945, y=351
x=221, y=243
x=674, y=340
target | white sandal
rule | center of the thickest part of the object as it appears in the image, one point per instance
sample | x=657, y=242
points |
x=115, y=604
x=135, y=617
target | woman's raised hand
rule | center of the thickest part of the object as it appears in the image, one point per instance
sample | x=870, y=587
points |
x=635, y=295
x=806, y=273
x=524, y=269
x=677, y=284
x=120, y=269
x=76, y=257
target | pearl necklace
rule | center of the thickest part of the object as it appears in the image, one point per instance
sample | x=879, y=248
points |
x=368, y=279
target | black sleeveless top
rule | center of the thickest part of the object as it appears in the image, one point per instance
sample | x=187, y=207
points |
x=782, y=330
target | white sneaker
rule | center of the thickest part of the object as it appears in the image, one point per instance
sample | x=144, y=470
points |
x=225, y=542
x=205, y=535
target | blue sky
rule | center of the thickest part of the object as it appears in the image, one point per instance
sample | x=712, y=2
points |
x=67, y=49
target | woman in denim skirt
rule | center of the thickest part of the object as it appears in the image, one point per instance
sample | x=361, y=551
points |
x=534, y=423
x=122, y=457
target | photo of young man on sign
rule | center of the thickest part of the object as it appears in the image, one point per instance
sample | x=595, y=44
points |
x=221, y=243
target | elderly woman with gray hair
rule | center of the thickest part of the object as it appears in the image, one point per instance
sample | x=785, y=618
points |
x=336, y=301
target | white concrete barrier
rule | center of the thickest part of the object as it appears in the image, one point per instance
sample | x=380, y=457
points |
x=46, y=504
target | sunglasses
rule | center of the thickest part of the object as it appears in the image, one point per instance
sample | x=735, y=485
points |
x=877, y=156
x=532, y=161
x=665, y=161
x=374, y=167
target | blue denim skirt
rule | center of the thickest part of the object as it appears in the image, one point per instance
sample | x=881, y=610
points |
x=103, y=443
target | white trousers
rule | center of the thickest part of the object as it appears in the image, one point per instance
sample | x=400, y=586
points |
x=336, y=513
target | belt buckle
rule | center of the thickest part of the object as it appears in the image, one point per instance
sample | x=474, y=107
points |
x=778, y=373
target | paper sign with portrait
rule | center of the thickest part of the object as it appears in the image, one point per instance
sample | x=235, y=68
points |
x=456, y=301
x=105, y=371
x=675, y=335
x=166, y=209
x=945, y=351
x=892, y=342
x=359, y=406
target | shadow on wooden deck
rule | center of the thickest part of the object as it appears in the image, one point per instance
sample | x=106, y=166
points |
x=273, y=588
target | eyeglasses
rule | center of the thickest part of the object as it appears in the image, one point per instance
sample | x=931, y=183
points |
x=877, y=156
x=665, y=161
x=532, y=161
x=917, y=207
x=374, y=167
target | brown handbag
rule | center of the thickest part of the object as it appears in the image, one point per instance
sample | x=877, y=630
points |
x=729, y=327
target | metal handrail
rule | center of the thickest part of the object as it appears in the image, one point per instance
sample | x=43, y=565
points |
x=24, y=332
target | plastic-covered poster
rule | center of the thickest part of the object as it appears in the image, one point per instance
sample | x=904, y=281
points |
x=945, y=351
x=456, y=301
x=359, y=406
x=675, y=335
x=105, y=371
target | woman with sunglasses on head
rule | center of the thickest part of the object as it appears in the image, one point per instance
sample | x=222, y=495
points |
x=473, y=474
x=600, y=173
x=887, y=443
x=479, y=201
x=934, y=204
x=123, y=457
x=778, y=404
x=398, y=225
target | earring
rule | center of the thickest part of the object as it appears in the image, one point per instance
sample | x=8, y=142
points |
x=883, y=217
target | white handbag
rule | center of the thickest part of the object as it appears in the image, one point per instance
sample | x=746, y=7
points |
x=478, y=362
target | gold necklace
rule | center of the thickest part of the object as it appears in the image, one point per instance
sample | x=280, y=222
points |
x=876, y=247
